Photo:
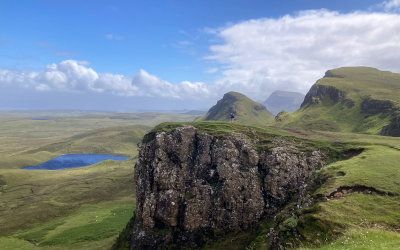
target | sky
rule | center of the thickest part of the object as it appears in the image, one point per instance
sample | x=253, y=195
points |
x=173, y=55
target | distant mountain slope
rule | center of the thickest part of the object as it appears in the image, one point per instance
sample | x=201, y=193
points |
x=352, y=99
x=284, y=101
x=246, y=110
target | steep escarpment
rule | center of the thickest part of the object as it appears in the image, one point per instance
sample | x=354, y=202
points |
x=393, y=128
x=351, y=99
x=193, y=186
x=384, y=107
x=320, y=93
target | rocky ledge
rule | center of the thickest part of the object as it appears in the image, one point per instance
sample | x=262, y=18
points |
x=318, y=93
x=193, y=186
x=371, y=106
x=393, y=128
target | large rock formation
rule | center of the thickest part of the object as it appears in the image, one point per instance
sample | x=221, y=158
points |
x=192, y=186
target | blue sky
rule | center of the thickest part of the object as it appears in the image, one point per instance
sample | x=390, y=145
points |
x=155, y=46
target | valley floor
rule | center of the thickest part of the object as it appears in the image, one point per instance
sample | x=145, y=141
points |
x=82, y=208
x=86, y=208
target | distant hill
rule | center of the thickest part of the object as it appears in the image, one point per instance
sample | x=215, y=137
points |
x=352, y=99
x=246, y=110
x=284, y=101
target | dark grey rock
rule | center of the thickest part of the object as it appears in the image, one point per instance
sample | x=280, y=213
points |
x=319, y=92
x=192, y=186
x=393, y=128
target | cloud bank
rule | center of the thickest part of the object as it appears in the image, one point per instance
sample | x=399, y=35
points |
x=77, y=76
x=292, y=52
x=255, y=57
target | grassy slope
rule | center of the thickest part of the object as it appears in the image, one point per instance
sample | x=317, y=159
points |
x=357, y=220
x=363, y=220
x=246, y=110
x=83, y=208
x=357, y=83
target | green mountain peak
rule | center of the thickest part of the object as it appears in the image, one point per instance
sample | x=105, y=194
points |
x=245, y=110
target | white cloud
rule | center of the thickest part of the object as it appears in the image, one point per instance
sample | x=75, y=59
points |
x=150, y=85
x=69, y=75
x=391, y=5
x=291, y=52
x=75, y=76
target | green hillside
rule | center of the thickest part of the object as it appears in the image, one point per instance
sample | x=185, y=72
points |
x=246, y=110
x=351, y=99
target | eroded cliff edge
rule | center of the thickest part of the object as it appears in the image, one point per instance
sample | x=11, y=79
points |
x=193, y=186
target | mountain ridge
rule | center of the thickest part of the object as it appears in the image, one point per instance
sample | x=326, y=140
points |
x=352, y=99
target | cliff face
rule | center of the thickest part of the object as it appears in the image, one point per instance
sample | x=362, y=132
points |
x=384, y=107
x=318, y=93
x=373, y=107
x=192, y=186
x=393, y=128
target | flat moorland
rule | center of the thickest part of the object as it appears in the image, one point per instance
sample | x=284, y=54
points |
x=81, y=208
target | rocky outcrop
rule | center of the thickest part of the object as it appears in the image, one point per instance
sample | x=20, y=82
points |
x=371, y=106
x=393, y=128
x=192, y=186
x=319, y=93
x=346, y=190
x=374, y=107
x=282, y=116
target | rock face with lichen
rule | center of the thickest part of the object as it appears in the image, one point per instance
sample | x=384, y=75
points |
x=192, y=186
